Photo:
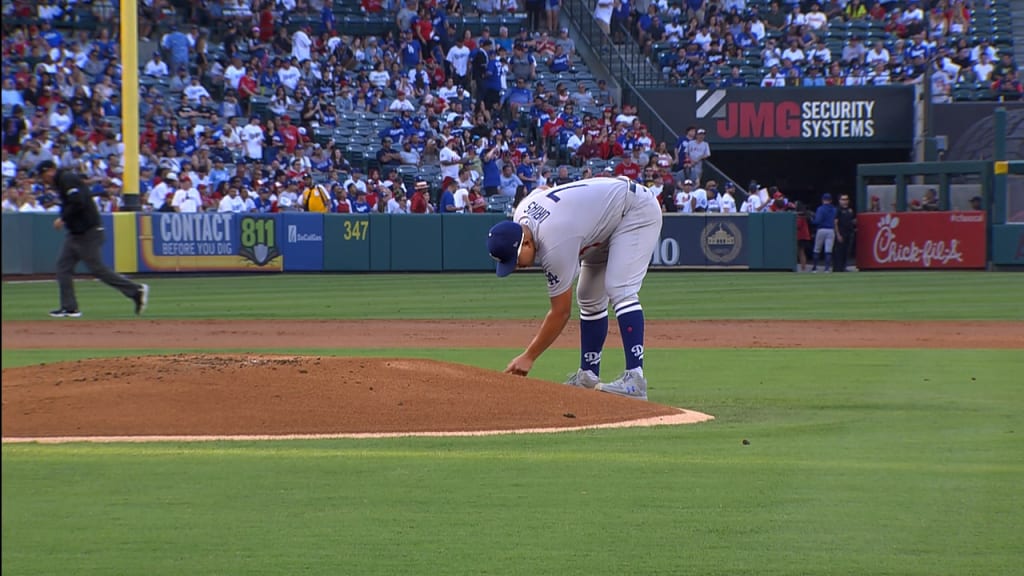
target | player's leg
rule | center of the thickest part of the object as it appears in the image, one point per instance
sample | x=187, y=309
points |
x=93, y=244
x=629, y=255
x=592, y=299
x=830, y=238
x=66, y=262
x=819, y=246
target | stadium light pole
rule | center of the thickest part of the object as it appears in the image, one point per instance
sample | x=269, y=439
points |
x=130, y=103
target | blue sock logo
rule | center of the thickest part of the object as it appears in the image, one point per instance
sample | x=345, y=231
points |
x=638, y=351
x=592, y=358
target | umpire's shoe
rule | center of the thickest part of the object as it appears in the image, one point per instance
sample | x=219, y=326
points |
x=141, y=299
x=631, y=384
x=583, y=379
x=65, y=313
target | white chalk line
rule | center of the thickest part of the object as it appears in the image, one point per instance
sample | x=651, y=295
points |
x=683, y=417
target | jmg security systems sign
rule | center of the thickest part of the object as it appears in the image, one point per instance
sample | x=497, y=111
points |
x=743, y=118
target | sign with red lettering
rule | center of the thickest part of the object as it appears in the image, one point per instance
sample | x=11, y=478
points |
x=922, y=240
x=744, y=118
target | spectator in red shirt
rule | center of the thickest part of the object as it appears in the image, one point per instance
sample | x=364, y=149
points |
x=420, y=198
x=477, y=202
x=628, y=168
x=266, y=23
x=148, y=138
x=372, y=6
x=803, y=234
x=289, y=134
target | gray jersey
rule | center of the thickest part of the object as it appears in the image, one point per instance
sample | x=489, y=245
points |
x=572, y=221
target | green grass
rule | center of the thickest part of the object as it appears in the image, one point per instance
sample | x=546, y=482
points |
x=668, y=295
x=860, y=462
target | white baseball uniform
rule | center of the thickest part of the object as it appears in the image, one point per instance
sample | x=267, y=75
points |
x=604, y=229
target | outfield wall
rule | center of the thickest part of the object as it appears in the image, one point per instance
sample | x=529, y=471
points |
x=305, y=242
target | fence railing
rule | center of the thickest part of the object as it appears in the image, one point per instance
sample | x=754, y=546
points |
x=624, y=59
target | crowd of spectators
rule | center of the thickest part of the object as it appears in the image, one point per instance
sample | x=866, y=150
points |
x=782, y=43
x=272, y=106
x=264, y=105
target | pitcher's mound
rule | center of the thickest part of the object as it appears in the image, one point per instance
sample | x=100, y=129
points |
x=202, y=397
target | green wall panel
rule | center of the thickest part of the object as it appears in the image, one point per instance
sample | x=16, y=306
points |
x=755, y=235
x=380, y=242
x=347, y=240
x=416, y=243
x=1008, y=244
x=17, y=248
x=779, y=246
x=465, y=240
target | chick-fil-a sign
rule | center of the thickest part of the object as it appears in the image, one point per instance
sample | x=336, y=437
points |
x=924, y=240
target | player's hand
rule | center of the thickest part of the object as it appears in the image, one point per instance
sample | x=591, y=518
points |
x=839, y=237
x=520, y=366
x=58, y=224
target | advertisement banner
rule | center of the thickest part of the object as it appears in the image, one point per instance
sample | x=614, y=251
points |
x=210, y=242
x=303, y=246
x=107, y=252
x=702, y=241
x=932, y=240
x=795, y=118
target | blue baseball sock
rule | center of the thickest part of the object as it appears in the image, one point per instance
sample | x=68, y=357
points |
x=631, y=324
x=593, y=331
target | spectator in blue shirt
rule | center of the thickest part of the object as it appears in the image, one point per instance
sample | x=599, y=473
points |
x=735, y=79
x=447, y=203
x=519, y=96
x=509, y=182
x=411, y=52
x=177, y=44
x=53, y=37
x=527, y=173
x=492, y=174
x=559, y=61
x=814, y=78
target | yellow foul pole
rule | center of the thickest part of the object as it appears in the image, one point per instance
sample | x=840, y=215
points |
x=130, y=102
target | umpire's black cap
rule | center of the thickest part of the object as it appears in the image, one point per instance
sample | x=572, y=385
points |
x=43, y=166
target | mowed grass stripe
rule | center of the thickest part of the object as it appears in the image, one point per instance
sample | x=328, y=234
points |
x=666, y=295
x=278, y=449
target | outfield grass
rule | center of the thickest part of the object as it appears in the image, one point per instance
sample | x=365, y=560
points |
x=860, y=462
x=667, y=295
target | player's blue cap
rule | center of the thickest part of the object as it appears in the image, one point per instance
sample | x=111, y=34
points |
x=504, y=242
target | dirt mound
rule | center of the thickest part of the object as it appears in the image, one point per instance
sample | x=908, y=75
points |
x=237, y=395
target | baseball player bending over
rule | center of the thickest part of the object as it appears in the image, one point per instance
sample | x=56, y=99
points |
x=605, y=230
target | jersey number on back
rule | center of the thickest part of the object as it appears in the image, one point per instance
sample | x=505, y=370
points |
x=554, y=192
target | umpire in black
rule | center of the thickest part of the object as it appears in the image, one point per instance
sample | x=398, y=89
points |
x=846, y=229
x=80, y=218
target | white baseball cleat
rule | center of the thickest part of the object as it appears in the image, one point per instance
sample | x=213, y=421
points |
x=583, y=379
x=631, y=384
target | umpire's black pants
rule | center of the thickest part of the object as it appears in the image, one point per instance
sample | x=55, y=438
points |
x=841, y=252
x=86, y=248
